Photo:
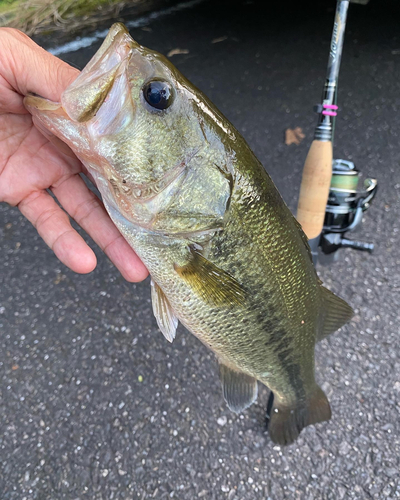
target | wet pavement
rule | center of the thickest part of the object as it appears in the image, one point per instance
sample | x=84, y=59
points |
x=96, y=404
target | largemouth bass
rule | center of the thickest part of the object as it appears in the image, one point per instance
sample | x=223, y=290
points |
x=227, y=258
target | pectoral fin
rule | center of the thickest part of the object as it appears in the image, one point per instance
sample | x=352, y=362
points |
x=239, y=389
x=166, y=320
x=336, y=312
x=213, y=284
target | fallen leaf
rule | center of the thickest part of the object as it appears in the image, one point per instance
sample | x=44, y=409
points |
x=220, y=39
x=14, y=367
x=60, y=277
x=294, y=136
x=175, y=52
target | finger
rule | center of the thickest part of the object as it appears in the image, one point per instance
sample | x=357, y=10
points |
x=89, y=212
x=29, y=68
x=53, y=225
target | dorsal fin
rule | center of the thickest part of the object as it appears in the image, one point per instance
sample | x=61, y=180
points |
x=336, y=312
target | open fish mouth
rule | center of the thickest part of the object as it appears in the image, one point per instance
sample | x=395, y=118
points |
x=84, y=97
x=82, y=100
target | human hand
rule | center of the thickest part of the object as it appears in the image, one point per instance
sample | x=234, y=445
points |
x=31, y=164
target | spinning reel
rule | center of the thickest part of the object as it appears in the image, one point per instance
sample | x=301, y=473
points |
x=345, y=209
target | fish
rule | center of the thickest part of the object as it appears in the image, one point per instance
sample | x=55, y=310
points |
x=227, y=258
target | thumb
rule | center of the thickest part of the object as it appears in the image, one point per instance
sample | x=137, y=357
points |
x=29, y=68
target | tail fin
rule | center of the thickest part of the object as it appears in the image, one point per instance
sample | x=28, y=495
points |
x=285, y=423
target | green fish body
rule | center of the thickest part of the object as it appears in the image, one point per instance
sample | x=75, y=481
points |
x=226, y=256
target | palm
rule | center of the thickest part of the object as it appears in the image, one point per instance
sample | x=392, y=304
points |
x=29, y=165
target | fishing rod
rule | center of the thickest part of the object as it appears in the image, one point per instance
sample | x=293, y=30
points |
x=328, y=202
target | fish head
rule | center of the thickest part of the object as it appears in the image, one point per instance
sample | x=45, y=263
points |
x=136, y=123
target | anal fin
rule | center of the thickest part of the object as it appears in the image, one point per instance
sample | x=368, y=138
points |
x=239, y=390
x=166, y=320
x=336, y=312
x=286, y=422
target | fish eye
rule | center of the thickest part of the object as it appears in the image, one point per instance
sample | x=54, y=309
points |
x=158, y=94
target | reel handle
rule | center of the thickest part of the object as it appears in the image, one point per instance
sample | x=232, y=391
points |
x=357, y=245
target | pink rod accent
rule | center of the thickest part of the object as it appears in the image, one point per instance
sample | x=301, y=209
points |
x=330, y=106
x=329, y=113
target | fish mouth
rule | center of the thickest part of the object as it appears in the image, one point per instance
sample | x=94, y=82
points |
x=84, y=97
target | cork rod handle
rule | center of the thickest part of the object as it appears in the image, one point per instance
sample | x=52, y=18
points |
x=314, y=189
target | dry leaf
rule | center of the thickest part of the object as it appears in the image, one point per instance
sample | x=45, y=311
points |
x=175, y=52
x=60, y=277
x=220, y=39
x=294, y=136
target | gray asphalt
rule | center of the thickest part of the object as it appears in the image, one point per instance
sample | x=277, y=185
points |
x=96, y=404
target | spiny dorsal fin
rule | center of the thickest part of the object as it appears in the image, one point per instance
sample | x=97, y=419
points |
x=239, y=389
x=336, y=312
x=166, y=320
x=213, y=284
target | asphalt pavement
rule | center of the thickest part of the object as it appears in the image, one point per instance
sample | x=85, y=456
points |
x=94, y=403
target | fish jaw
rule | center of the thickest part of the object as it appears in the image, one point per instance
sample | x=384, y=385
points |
x=76, y=119
x=84, y=97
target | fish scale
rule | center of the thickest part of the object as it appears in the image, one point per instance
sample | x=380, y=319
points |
x=226, y=256
x=249, y=346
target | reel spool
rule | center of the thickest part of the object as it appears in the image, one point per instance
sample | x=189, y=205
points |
x=345, y=208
